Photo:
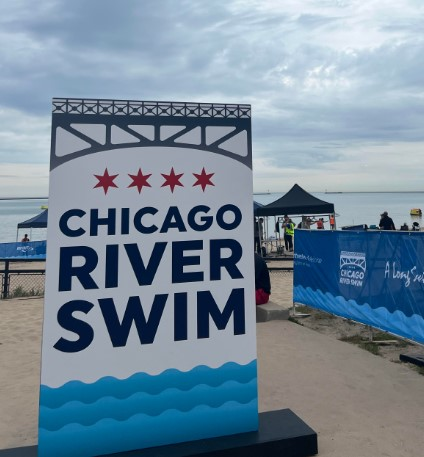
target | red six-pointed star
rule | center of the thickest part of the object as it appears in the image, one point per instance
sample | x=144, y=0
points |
x=172, y=180
x=203, y=179
x=139, y=180
x=105, y=181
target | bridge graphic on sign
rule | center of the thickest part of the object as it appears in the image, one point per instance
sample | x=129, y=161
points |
x=356, y=259
x=112, y=124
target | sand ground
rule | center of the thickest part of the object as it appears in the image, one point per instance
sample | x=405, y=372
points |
x=359, y=404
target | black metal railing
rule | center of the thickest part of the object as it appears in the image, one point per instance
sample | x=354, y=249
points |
x=21, y=282
x=281, y=271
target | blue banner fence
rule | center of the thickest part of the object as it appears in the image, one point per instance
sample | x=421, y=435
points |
x=35, y=250
x=376, y=278
x=21, y=281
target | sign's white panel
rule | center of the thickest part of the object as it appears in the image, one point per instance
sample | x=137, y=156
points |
x=149, y=324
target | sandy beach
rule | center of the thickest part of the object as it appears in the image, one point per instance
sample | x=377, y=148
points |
x=359, y=404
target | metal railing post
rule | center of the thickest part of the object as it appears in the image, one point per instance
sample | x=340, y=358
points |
x=6, y=279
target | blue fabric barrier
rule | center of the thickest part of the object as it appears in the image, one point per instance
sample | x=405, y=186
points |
x=376, y=278
x=31, y=250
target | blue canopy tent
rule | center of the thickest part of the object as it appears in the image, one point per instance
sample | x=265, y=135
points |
x=39, y=221
x=256, y=206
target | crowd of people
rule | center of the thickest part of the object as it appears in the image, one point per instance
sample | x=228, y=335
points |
x=386, y=223
x=284, y=229
x=287, y=227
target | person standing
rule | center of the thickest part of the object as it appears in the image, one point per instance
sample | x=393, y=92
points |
x=262, y=281
x=320, y=223
x=307, y=222
x=261, y=229
x=25, y=239
x=256, y=236
x=288, y=234
x=386, y=222
x=259, y=235
x=332, y=221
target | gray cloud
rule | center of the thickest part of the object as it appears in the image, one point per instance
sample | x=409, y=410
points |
x=323, y=77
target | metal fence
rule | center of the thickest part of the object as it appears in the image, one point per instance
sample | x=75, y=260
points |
x=20, y=280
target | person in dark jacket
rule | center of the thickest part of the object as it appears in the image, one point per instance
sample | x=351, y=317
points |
x=262, y=281
x=386, y=222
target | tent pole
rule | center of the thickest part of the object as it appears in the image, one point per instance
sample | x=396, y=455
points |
x=261, y=234
x=276, y=235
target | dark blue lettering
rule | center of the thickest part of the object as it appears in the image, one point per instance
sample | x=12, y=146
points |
x=67, y=270
x=67, y=321
x=206, y=306
x=173, y=219
x=145, y=275
x=134, y=313
x=125, y=221
x=229, y=263
x=180, y=316
x=63, y=223
x=179, y=261
x=139, y=225
x=109, y=221
x=221, y=214
x=207, y=220
x=111, y=266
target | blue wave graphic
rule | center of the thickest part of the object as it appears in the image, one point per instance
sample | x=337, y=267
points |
x=396, y=322
x=151, y=405
x=143, y=382
x=79, y=419
x=109, y=436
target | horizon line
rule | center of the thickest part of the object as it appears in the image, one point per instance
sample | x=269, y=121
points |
x=277, y=192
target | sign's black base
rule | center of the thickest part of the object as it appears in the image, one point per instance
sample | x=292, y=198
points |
x=281, y=433
x=416, y=359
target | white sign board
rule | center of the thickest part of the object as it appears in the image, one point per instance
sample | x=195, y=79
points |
x=149, y=324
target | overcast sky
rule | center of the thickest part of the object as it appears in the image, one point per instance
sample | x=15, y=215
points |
x=336, y=86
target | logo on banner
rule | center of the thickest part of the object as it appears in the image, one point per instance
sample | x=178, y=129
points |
x=25, y=249
x=352, y=268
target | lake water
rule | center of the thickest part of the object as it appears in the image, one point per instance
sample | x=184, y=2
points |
x=19, y=210
x=352, y=209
